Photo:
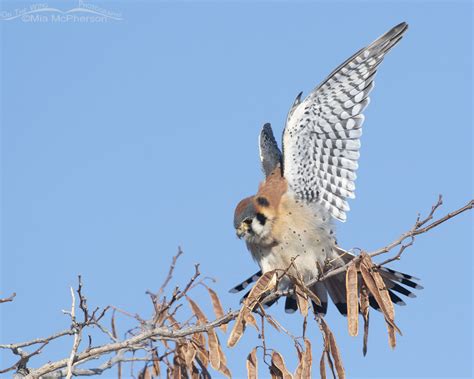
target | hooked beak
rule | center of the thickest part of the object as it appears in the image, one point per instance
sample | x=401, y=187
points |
x=241, y=230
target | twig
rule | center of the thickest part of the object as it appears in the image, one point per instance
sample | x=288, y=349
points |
x=77, y=334
x=177, y=295
x=36, y=341
x=170, y=273
x=415, y=231
x=7, y=299
x=115, y=360
x=25, y=357
x=417, y=228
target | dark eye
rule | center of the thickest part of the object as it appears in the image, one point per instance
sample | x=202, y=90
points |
x=261, y=218
x=263, y=201
x=248, y=221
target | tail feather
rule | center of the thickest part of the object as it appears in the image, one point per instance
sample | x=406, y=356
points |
x=241, y=286
x=396, y=299
x=291, y=306
x=373, y=303
x=398, y=277
x=321, y=292
x=265, y=305
x=268, y=304
x=335, y=286
x=400, y=289
x=337, y=290
x=244, y=297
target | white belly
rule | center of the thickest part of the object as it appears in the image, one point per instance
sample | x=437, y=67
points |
x=307, y=255
x=304, y=235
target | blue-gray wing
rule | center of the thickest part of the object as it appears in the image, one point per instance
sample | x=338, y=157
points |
x=321, y=137
x=270, y=154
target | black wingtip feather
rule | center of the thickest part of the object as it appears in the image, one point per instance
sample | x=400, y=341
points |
x=396, y=300
x=320, y=309
x=398, y=288
x=244, y=297
x=411, y=284
x=291, y=306
x=342, y=308
x=373, y=303
x=241, y=286
x=268, y=304
x=400, y=274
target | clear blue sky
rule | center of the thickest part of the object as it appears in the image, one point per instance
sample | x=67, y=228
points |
x=123, y=140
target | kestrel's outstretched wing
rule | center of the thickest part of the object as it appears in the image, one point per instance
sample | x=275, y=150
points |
x=270, y=154
x=321, y=138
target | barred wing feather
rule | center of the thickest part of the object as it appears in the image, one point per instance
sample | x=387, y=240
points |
x=270, y=154
x=321, y=139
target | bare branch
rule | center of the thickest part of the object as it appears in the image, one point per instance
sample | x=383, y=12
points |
x=77, y=332
x=13, y=346
x=162, y=327
x=415, y=231
x=115, y=360
x=8, y=299
x=168, y=277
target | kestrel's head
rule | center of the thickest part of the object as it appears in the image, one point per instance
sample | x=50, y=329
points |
x=253, y=218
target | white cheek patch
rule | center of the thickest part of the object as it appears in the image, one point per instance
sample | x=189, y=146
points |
x=257, y=227
x=262, y=231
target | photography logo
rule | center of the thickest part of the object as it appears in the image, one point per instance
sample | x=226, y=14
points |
x=82, y=12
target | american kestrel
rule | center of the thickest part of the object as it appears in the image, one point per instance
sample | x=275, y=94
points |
x=306, y=186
